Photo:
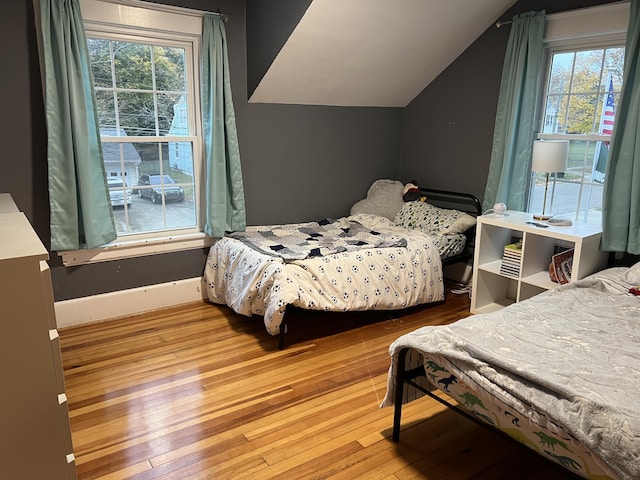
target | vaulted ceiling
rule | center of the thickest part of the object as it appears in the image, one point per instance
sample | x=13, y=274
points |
x=372, y=52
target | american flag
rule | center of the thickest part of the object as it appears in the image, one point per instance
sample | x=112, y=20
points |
x=606, y=128
x=606, y=121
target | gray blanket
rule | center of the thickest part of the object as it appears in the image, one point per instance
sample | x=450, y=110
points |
x=572, y=353
x=315, y=239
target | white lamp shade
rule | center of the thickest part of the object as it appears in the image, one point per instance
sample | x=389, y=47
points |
x=550, y=156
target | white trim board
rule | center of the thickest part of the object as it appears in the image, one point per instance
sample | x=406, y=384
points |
x=133, y=301
x=601, y=21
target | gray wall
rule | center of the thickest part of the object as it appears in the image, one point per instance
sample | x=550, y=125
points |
x=299, y=162
x=447, y=130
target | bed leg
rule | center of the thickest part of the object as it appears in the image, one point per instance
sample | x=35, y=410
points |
x=283, y=330
x=397, y=403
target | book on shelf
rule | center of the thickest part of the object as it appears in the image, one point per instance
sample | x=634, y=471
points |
x=515, y=246
x=561, y=265
x=510, y=273
x=511, y=258
x=513, y=262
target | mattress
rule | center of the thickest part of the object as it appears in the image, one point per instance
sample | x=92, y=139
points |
x=384, y=276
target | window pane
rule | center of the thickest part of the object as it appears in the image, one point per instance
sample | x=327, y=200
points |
x=168, y=106
x=132, y=64
x=158, y=158
x=555, y=114
x=163, y=193
x=181, y=157
x=587, y=69
x=137, y=113
x=561, y=68
x=179, y=123
x=582, y=114
x=614, y=65
x=169, y=68
x=100, y=62
x=106, y=109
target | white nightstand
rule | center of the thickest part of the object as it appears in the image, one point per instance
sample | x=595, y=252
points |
x=493, y=290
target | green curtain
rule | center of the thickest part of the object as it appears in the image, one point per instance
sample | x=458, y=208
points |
x=621, y=199
x=225, y=210
x=510, y=167
x=80, y=209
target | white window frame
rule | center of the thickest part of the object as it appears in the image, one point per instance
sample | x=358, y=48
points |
x=597, y=27
x=152, y=21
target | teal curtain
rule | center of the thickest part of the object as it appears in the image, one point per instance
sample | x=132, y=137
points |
x=80, y=209
x=621, y=199
x=225, y=210
x=510, y=167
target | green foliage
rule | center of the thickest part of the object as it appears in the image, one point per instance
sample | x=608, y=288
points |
x=143, y=81
x=578, y=85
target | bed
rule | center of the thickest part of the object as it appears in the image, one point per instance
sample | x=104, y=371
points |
x=558, y=372
x=386, y=255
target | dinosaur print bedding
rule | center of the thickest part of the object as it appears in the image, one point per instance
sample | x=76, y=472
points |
x=393, y=268
x=557, y=372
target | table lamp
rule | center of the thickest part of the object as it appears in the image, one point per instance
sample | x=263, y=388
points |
x=549, y=156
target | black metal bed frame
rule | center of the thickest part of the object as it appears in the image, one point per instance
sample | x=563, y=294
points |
x=406, y=377
x=464, y=202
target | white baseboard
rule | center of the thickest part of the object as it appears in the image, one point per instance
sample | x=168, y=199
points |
x=129, y=302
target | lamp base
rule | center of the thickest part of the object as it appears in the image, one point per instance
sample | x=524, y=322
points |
x=541, y=216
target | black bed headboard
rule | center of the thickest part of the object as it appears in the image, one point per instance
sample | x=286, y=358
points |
x=465, y=202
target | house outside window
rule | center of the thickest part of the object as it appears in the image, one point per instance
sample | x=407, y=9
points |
x=145, y=66
x=582, y=84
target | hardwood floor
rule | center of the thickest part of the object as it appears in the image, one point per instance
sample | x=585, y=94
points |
x=199, y=392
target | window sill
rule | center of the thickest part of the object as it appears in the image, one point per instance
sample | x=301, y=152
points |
x=135, y=248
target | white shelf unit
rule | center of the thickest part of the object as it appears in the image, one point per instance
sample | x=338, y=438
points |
x=36, y=438
x=492, y=290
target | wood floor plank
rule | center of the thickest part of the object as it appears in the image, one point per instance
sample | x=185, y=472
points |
x=199, y=392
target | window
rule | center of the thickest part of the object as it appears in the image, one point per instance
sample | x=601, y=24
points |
x=144, y=61
x=585, y=63
x=143, y=112
x=581, y=93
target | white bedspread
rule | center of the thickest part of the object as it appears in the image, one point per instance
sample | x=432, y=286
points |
x=572, y=353
x=385, y=278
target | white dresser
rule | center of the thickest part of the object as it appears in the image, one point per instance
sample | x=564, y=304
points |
x=35, y=440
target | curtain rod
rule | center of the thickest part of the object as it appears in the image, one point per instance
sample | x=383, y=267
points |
x=218, y=13
x=500, y=24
